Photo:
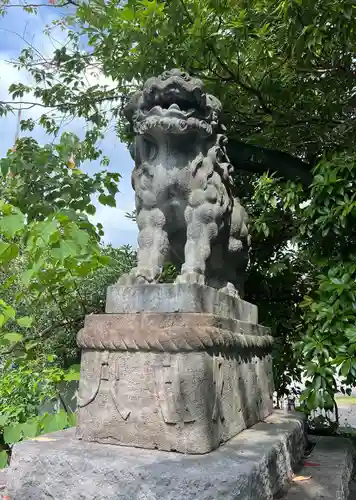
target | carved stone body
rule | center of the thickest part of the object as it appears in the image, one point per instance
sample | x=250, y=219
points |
x=185, y=209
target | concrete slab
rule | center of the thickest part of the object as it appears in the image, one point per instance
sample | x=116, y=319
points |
x=326, y=473
x=255, y=465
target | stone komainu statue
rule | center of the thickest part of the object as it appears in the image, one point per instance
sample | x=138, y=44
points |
x=185, y=210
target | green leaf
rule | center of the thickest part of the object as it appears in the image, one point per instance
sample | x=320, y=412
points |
x=57, y=423
x=107, y=200
x=345, y=367
x=30, y=430
x=46, y=229
x=61, y=420
x=13, y=337
x=8, y=311
x=90, y=209
x=273, y=201
x=31, y=344
x=8, y=251
x=11, y=224
x=46, y=422
x=12, y=433
x=4, y=458
x=3, y=420
x=81, y=237
x=25, y=321
x=72, y=419
x=67, y=248
x=73, y=373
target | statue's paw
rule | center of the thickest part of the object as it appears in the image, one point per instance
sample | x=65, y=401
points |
x=127, y=279
x=229, y=289
x=193, y=278
x=139, y=276
x=147, y=275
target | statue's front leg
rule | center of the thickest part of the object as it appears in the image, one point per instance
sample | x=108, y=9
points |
x=153, y=246
x=201, y=230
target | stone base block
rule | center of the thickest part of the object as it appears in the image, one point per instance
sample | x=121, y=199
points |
x=255, y=465
x=178, y=298
x=178, y=382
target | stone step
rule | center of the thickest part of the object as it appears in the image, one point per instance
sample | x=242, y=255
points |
x=330, y=469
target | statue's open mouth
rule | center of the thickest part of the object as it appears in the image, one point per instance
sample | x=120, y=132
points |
x=174, y=103
x=175, y=110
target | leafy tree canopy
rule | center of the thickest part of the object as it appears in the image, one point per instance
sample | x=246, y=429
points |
x=285, y=73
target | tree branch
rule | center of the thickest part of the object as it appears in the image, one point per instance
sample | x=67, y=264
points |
x=259, y=160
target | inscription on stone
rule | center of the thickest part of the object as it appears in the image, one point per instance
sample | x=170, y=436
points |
x=172, y=400
x=88, y=391
x=107, y=381
x=114, y=381
x=218, y=379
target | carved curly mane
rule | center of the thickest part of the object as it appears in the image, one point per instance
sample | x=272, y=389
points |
x=218, y=162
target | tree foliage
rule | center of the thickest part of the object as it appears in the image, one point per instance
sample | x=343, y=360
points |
x=284, y=71
x=53, y=272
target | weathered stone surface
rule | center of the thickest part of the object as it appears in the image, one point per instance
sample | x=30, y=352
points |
x=183, y=180
x=186, y=402
x=178, y=298
x=330, y=473
x=172, y=332
x=255, y=465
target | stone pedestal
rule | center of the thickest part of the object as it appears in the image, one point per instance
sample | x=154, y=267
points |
x=255, y=465
x=173, y=367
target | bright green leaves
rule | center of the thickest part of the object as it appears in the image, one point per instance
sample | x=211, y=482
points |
x=8, y=252
x=56, y=237
x=3, y=459
x=320, y=387
x=43, y=233
x=73, y=373
x=25, y=321
x=11, y=337
x=48, y=247
x=47, y=179
x=325, y=237
x=12, y=433
x=8, y=316
x=31, y=429
x=7, y=312
x=11, y=224
x=24, y=386
x=64, y=250
x=107, y=200
x=48, y=423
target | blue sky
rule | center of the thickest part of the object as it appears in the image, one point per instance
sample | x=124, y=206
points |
x=17, y=29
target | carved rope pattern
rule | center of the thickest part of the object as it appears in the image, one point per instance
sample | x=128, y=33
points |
x=176, y=339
